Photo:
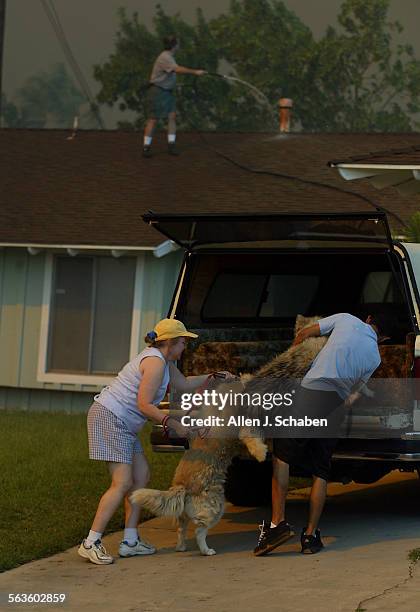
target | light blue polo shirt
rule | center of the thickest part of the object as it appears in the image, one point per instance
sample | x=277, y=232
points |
x=350, y=356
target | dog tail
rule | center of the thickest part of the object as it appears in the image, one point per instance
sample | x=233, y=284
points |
x=161, y=503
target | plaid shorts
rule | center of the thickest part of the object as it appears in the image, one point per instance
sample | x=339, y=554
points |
x=109, y=437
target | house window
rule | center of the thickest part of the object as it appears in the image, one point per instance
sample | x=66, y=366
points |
x=90, y=314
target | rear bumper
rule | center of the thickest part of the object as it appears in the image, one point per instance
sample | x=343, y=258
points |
x=384, y=457
x=403, y=450
x=161, y=444
x=168, y=448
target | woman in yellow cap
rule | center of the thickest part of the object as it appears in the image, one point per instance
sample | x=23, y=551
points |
x=114, y=420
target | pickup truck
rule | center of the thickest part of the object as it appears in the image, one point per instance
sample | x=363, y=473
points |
x=243, y=281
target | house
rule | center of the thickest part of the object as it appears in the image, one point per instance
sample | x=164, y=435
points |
x=82, y=278
x=399, y=168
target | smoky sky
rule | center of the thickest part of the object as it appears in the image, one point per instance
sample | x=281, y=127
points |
x=90, y=25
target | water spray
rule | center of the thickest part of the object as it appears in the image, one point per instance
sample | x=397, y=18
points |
x=261, y=95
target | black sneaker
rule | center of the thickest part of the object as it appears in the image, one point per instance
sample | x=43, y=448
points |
x=172, y=150
x=271, y=537
x=147, y=151
x=311, y=544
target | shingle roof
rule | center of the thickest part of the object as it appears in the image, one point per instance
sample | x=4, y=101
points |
x=92, y=190
x=394, y=157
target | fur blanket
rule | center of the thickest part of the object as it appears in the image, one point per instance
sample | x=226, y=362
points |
x=281, y=373
x=296, y=361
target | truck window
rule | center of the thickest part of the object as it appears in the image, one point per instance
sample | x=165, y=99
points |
x=379, y=287
x=254, y=296
x=288, y=294
x=234, y=295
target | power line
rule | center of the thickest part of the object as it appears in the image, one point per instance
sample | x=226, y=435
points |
x=55, y=22
x=63, y=45
x=301, y=180
x=2, y=30
x=76, y=68
x=70, y=52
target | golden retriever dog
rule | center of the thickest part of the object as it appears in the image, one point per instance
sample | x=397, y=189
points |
x=197, y=491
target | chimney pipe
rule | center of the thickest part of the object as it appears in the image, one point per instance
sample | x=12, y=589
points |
x=285, y=114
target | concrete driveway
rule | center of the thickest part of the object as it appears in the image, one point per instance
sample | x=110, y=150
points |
x=368, y=532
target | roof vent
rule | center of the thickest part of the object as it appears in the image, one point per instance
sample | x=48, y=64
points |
x=285, y=114
x=75, y=128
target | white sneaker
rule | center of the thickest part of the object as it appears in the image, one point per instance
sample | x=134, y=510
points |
x=95, y=553
x=139, y=548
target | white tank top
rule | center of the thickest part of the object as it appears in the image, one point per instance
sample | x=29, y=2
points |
x=120, y=397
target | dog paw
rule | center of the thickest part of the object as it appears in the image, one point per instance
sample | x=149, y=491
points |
x=181, y=548
x=260, y=452
x=209, y=552
x=256, y=447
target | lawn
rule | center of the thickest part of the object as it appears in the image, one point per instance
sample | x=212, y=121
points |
x=50, y=488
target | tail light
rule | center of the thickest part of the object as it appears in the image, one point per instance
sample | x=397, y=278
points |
x=417, y=357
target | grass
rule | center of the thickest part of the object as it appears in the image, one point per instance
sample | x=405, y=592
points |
x=49, y=487
x=414, y=555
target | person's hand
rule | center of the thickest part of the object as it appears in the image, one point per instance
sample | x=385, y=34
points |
x=200, y=72
x=298, y=340
x=364, y=390
x=352, y=398
x=310, y=331
x=228, y=376
x=180, y=430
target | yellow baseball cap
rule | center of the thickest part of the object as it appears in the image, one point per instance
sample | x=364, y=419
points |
x=171, y=328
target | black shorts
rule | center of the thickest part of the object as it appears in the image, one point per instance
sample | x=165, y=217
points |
x=313, y=455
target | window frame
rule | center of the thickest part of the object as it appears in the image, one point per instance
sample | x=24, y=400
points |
x=45, y=376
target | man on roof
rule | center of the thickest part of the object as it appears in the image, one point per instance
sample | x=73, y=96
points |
x=160, y=96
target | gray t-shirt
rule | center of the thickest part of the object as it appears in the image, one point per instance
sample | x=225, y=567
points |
x=163, y=73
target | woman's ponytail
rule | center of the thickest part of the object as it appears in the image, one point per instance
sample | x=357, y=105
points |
x=150, y=338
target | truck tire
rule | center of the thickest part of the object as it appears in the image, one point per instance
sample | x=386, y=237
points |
x=248, y=483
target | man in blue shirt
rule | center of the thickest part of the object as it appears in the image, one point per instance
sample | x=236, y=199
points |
x=345, y=363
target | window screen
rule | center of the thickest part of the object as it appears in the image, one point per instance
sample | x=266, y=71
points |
x=113, y=313
x=91, y=313
x=71, y=314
